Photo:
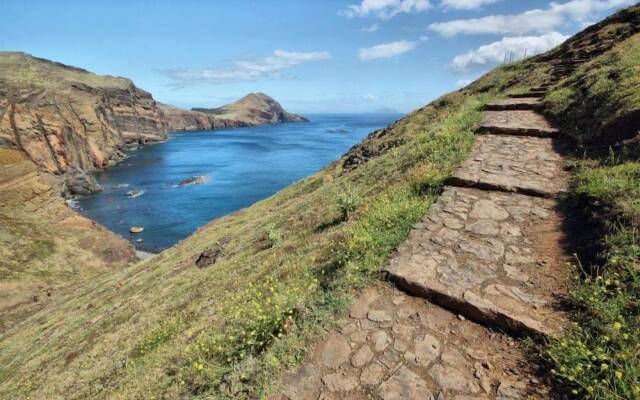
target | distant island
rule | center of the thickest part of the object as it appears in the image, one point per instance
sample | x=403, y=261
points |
x=69, y=121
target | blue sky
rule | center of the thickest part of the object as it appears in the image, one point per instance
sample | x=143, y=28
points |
x=312, y=56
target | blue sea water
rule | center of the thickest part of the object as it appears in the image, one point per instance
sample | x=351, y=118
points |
x=242, y=165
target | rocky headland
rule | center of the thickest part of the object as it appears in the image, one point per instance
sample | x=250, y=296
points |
x=69, y=121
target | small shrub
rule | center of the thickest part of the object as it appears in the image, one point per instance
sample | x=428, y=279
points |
x=348, y=201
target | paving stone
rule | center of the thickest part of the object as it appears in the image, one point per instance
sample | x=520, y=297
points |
x=449, y=377
x=335, y=351
x=471, y=272
x=340, y=382
x=517, y=123
x=527, y=165
x=362, y=357
x=379, y=316
x=529, y=103
x=301, y=384
x=372, y=374
x=404, y=385
x=380, y=341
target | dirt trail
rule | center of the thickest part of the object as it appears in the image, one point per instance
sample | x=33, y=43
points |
x=485, y=266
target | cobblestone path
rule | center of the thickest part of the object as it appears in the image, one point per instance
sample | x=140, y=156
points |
x=485, y=266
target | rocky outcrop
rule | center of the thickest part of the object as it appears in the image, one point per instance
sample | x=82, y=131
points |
x=69, y=121
x=184, y=120
x=66, y=119
x=253, y=109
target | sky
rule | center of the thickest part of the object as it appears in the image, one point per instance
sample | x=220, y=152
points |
x=311, y=56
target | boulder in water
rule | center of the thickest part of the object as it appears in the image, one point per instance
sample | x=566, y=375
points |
x=136, y=229
x=196, y=180
x=134, y=193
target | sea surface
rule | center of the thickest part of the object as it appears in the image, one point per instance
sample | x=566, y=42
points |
x=241, y=166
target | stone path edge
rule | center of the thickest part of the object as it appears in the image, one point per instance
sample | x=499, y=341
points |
x=459, y=182
x=471, y=307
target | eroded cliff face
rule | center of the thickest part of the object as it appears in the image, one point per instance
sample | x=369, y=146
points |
x=67, y=120
x=46, y=248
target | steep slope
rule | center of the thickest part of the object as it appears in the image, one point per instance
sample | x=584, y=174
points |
x=45, y=247
x=253, y=109
x=68, y=120
x=171, y=327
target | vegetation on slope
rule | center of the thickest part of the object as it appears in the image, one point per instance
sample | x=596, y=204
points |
x=599, y=107
x=167, y=328
x=287, y=267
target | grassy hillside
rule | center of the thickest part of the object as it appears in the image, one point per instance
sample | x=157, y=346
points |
x=598, y=107
x=285, y=269
x=167, y=327
x=27, y=71
x=46, y=249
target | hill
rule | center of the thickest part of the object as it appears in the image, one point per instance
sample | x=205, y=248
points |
x=223, y=313
x=253, y=109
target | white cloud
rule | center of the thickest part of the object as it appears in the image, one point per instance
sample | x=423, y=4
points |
x=532, y=21
x=385, y=9
x=371, y=97
x=245, y=70
x=466, y=4
x=423, y=38
x=527, y=22
x=386, y=50
x=372, y=28
x=581, y=9
x=517, y=46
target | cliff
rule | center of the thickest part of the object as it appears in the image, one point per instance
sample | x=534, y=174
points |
x=69, y=121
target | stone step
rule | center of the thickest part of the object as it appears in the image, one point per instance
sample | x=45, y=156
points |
x=396, y=347
x=493, y=257
x=522, y=103
x=527, y=95
x=516, y=123
x=520, y=164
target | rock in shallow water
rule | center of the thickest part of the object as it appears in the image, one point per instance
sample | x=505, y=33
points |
x=196, y=180
x=134, y=193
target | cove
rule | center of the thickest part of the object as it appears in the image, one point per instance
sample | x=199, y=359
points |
x=240, y=166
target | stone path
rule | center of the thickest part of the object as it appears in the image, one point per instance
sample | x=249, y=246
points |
x=480, y=253
x=521, y=164
x=398, y=347
x=517, y=122
x=484, y=266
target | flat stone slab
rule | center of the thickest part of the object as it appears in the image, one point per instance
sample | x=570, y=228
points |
x=526, y=103
x=538, y=94
x=518, y=123
x=422, y=352
x=521, y=164
x=493, y=257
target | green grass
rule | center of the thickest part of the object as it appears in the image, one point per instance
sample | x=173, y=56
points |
x=589, y=102
x=600, y=356
x=289, y=266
